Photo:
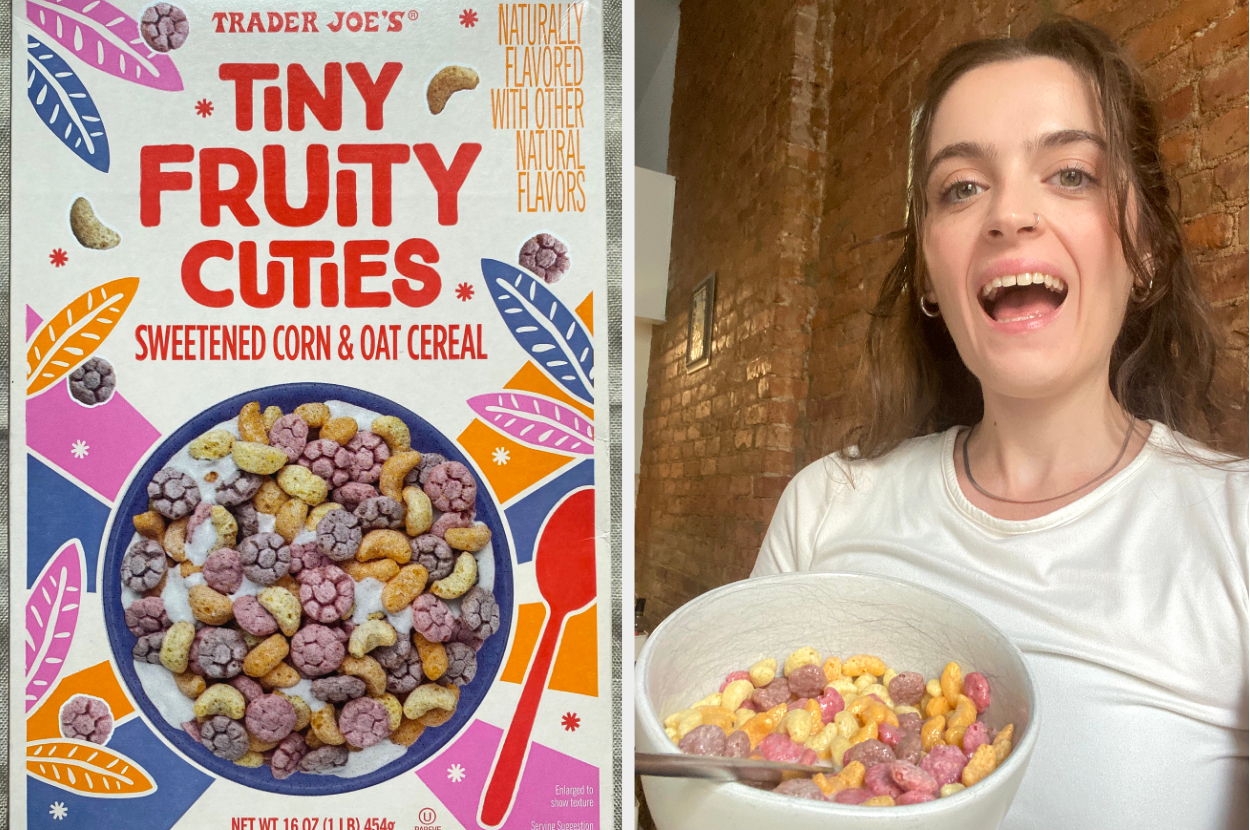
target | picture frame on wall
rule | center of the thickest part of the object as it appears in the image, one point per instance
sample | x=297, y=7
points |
x=699, y=332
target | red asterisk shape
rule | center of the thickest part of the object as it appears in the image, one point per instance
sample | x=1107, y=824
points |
x=468, y=18
x=570, y=721
x=464, y=291
x=58, y=257
x=204, y=108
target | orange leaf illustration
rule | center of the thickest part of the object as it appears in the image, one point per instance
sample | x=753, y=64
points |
x=87, y=768
x=70, y=337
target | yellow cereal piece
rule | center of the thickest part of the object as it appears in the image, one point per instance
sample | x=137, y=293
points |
x=844, y=686
x=837, y=748
x=433, y=656
x=303, y=484
x=393, y=431
x=868, y=732
x=459, y=581
x=266, y=656
x=187, y=568
x=258, y=458
x=863, y=664
x=313, y=414
x=931, y=732
x=965, y=713
x=319, y=512
x=368, y=670
x=951, y=683
x=225, y=528
x=763, y=672
x=284, y=606
x=954, y=735
x=370, y=635
x=798, y=725
x=471, y=539
x=742, y=716
x=210, y=607
x=312, y=740
x=880, y=691
x=395, y=469
x=383, y=570
x=981, y=764
x=430, y=696
x=302, y=713
x=736, y=693
x=175, y=539
x=901, y=709
x=190, y=684
x=821, y=739
x=937, y=706
x=933, y=688
x=339, y=430
x=438, y=717
x=407, y=732
x=211, y=445
x=763, y=724
x=387, y=544
x=714, y=699
x=221, y=699
x=828, y=784
x=283, y=676
x=846, y=723
x=863, y=682
x=718, y=716
x=326, y=727
x=270, y=497
x=950, y=789
x=255, y=744
x=290, y=519
x=852, y=775
x=252, y=425
x=1002, y=743
x=806, y=656
x=877, y=713
x=150, y=524
x=832, y=668
x=889, y=675
x=418, y=511
x=251, y=759
x=394, y=710
x=270, y=417
x=813, y=709
x=689, y=719
x=400, y=591
x=879, y=801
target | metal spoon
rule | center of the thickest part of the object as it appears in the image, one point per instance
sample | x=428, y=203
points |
x=716, y=768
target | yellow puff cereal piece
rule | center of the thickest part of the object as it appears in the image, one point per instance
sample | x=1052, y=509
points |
x=401, y=589
x=418, y=511
x=214, y=444
x=221, y=699
x=433, y=656
x=459, y=581
x=718, y=716
x=369, y=635
x=303, y=484
x=878, y=801
x=302, y=713
x=290, y=519
x=266, y=656
x=326, y=727
x=313, y=414
x=270, y=497
x=931, y=732
x=340, y=430
x=951, y=683
x=394, y=709
x=798, y=725
x=736, y=693
x=430, y=696
x=438, y=717
x=407, y=732
x=471, y=539
x=393, y=431
x=395, y=469
x=190, y=684
x=255, y=457
x=368, y=670
x=806, y=656
x=863, y=664
x=981, y=764
x=209, y=606
x=270, y=417
x=174, y=540
x=950, y=789
x=763, y=672
x=385, y=544
x=284, y=606
x=832, y=668
x=252, y=759
x=318, y=513
x=252, y=424
x=282, y=676
x=383, y=570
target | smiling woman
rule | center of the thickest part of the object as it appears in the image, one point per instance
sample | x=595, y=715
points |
x=1040, y=364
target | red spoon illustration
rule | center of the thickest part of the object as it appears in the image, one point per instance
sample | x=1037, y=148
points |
x=564, y=564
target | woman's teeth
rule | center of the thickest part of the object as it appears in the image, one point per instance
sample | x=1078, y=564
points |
x=992, y=288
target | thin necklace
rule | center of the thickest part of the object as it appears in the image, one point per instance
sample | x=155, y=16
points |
x=968, y=472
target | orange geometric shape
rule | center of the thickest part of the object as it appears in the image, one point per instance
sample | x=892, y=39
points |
x=531, y=379
x=577, y=667
x=87, y=768
x=586, y=311
x=98, y=681
x=529, y=622
x=522, y=466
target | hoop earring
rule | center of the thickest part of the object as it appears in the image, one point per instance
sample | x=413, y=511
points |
x=1142, y=296
x=924, y=309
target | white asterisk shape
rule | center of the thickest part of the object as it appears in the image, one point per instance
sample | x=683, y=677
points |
x=58, y=810
x=80, y=449
x=501, y=456
x=456, y=773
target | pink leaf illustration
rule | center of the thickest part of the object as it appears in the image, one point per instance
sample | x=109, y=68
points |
x=105, y=38
x=537, y=421
x=51, y=614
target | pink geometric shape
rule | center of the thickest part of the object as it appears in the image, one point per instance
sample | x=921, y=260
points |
x=51, y=616
x=32, y=322
x=545, y=770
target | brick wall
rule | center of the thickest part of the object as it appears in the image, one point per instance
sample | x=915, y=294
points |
x=789, y=144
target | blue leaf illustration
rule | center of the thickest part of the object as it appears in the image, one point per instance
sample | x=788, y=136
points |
x=554, y=337
x=62, y=103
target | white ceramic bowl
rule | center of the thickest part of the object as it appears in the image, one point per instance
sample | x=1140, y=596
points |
x=910, y=627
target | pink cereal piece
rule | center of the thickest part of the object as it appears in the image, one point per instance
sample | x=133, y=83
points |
x=451, y=487
x=306, y=556
x=749, y=704
x=977, y=689
x=809, y=758
x=286, y=757
x=889, y=735
x=975, y=735
x=318, y=456
x=801, y=703
x=147, y=616
x=807, y=681
x=248, y=687
x=878, y=781
x=364, y=722
x=800, y=788
x=326, y=593
x=315, y=650
x=253, y=618
x=913, y=797
x=270, y=718
x=351, y=494
x=198, y=516
x=707, y=739
x=911, y=777
x=86, y=718
x=363, y=457
x=855, y=795
x=779, y=747
x=830, y=704
x=944, y=763
x=447, y=521
x=223, y=571
x=290, y=434
x=192, y=728
x=433, y=619
x=732, y=676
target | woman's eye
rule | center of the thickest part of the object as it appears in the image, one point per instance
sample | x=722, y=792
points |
x=960, y=191
x=1072, y=177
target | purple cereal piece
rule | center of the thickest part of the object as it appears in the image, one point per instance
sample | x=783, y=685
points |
x=324, y=759
x=224, y=738
x=545, y=256
x=889, y=735
x=417, y=475
x=451, y=487
x=221, y=652
x=164, y=27
x=237, y=488
x=253, y=618
x=143, y=565
x=86, y=718
x=435, y=555
x=830, y=704
x=910, y=722
x=363, y=457
x=801, y=788
x=853, y=795
x=878, y=781
x=289, y=434
x=913, y=797
x=266, y=557
x=406, y=675
x=447, y=521
x=737, y=745
x=287, y=755
x=907, y=688
x=393, y=656
x=270, y=718
x=338, y=689
x=318, y=456
x=380, y=513
x=353, y=493
x=975, y=735
x=774, y=694
x=944, y=763
x=192, y=728
x=306, y=556
x=326, y=593
x=707, y=739
x=479, y=612
x=248, y=687
x=466, y=635
x=315, y=650
x=93, y=382
x=147, y=616
x=148, y=647
x=911, y=777
x=910, y=748
x=247, y=517
x=461, y=663
x=807, y=681
x=173, y=494
x=223, y=571
x=868, y=753
x=779, y=747
x=338, y=535
x=433, y=619
x=364, y=722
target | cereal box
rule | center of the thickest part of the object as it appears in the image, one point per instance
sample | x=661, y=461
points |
x=308, y=467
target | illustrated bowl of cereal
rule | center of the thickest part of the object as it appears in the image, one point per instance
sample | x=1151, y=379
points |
x=922, y=713
x=307, y=589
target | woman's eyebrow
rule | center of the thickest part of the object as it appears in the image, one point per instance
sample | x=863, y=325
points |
x=1061, y=138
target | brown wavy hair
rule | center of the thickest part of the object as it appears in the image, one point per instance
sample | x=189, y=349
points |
x=1163, y=362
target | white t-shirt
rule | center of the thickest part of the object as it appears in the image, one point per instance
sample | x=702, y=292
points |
x=1130, y=606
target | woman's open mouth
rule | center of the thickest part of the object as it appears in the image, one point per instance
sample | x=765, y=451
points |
x=1020, y=297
